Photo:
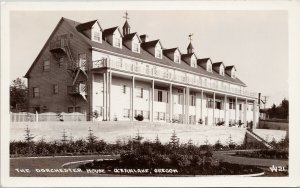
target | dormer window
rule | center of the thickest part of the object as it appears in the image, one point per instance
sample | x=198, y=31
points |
x=194, y=63
x=117, y=42
x=176, y=58
x=96, y=33
x=222, y=71
x=233, y=74
x=136, y=47
x=97, y=36
x=158, y=53
x=209, y=68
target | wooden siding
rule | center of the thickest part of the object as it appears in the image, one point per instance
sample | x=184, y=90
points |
x=58, y=75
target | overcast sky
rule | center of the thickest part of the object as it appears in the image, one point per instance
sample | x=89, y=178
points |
x=256, y=42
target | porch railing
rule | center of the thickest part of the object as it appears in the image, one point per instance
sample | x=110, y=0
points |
x=167, y=74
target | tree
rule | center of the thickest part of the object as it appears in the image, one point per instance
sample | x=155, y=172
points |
x=91, y=139
x=174, y=140
x=281, y=111
x=28, y=138
x=273, y=111
x=18, y=95
x=284, y=106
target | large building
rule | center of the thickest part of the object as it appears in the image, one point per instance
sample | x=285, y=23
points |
x=115, y=75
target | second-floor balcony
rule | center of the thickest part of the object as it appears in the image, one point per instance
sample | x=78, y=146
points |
x=58, y=45
x=81, y=63
x=78, y=88
x=168, y=74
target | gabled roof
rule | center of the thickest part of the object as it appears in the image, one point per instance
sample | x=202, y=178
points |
x=131, y=36
x=230, y=67
x=183, y=56
x=203, y=60
x=152, y=43
x=171, y=50
x=87, y=25
x=142, y=56
x=217, y=64
x=110, y=31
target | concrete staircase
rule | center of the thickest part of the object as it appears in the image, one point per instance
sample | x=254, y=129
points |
x=256, y=137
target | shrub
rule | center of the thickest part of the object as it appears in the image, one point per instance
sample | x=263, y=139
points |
x=139, y=117
x=220, y=123
x=218, y=145
x=200, y=121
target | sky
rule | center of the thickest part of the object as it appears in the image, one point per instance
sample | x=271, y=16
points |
x=256, y=42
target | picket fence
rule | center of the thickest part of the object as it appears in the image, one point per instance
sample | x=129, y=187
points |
x=49, y=116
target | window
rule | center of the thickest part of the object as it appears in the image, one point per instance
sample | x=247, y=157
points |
x=55, y=89
x=70, y=109
x=136, y=47
x=162, y=116
x=82, y=60
x=46, y=66
x=231, y=104
x=222, y=71
x=97, y=36
x=126, y=113
x=36, y=92
x=159, y=115
x=180, y=99
x=124, y=89
x=159, y=96
x=117, y=42
x=193, y=99
x=156, y=114
x=233, y=74
x=209, y=103
x=77, y=109
x=193, y=63
x=176, y=58
x=140, y=92
x=158, y=53
x=209, y=67
x=240, y=106
x=219, y=105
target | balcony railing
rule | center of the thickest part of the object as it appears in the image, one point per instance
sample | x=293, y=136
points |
x=100, y=63
x=82, y=64
x=79, y=88
x=167, y=74
x=58, y=44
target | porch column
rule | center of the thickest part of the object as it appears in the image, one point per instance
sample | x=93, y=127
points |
x=245, y=113
x=152, y=101
x=225, y=111
x=187, y=105
x=254, y=114
x=104, y=97
x=202, y=107
x=183, y=107
x=214, y=106
x=236, y=109
x=170, y=104
x=132, y=99
x=110, y=112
